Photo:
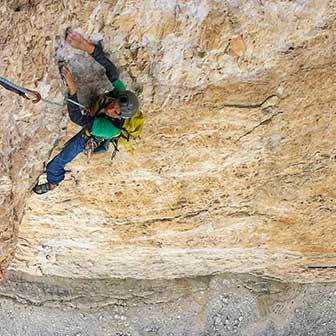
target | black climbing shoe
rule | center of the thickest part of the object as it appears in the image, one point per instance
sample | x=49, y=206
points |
x=41, y=188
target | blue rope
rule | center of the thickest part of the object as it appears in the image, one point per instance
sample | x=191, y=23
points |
x=8, y=85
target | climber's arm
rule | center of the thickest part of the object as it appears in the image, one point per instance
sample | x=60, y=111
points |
x=74, y=110
x=76, y=115
x=77, y=41
x=111, y=70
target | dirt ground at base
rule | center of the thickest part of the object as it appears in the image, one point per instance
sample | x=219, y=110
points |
x=219, y=305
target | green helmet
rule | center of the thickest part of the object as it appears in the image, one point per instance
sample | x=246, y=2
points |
x=129, y=103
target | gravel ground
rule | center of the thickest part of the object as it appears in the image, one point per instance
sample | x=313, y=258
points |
x=220, y=305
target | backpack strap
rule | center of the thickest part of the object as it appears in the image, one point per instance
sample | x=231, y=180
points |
x=122, y=135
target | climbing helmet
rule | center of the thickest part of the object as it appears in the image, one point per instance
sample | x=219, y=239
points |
x=129, y=103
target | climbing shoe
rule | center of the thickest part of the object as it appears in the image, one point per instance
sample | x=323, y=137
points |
x=41, y=188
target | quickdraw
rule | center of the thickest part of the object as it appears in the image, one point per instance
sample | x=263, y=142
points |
x=28, y=94
x=115, y=149
x=34, y=95
x=89, y=148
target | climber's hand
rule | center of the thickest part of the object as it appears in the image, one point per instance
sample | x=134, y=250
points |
x=69, y=80
x=77, y=41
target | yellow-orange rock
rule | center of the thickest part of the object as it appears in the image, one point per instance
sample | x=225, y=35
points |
x=235, y=170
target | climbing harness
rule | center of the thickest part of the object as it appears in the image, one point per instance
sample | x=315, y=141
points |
x=34, y=95
x=92, y=143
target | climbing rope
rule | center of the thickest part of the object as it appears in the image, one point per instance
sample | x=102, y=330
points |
x=34, y=95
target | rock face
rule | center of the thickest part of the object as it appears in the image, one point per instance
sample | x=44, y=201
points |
x=235, y=170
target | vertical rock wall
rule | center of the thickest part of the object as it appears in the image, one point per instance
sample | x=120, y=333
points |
x=235, y=170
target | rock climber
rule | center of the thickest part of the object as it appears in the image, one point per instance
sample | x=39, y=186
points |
x=105, y=121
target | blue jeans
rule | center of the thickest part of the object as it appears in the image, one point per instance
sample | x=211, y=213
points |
x=55, y=168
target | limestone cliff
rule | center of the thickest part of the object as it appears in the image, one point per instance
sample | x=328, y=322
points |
x=235, y=170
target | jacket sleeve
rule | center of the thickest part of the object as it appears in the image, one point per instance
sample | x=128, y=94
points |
x=76, y=115
x=111, y=70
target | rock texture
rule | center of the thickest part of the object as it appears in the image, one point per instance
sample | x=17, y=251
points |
x=236, y=167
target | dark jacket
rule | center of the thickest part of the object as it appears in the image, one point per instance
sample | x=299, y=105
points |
x=112, y=74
